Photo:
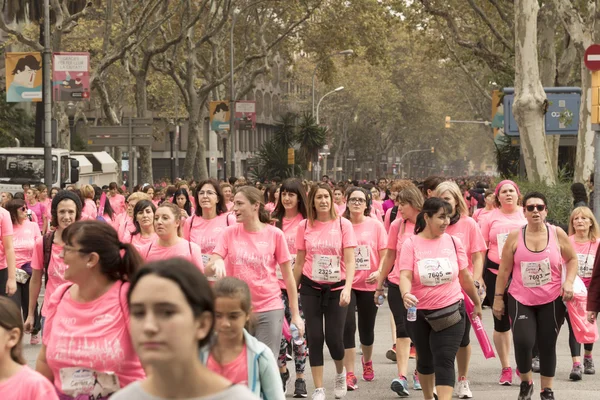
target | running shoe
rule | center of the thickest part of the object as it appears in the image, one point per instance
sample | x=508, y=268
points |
x=547, y=394
x=400, y=386
x=35, y=339
x=351, y=381
x=318, y=394
x=506, y=377
x=463, y=391
x=339, y=387
x=285, y=378
x=525, y=391
x=413, y=352
x=368, y=373
x=391, y=354
x=588, y=366
x=576, y=373
x=300, y=390
x=535, y=364
x=416, y=383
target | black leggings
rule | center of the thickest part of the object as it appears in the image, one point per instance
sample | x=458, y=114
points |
x=363, y=302
x=335, y=317
x=398, y=310
x=574, y=345
x=541, y=322
x=489, y=278
x=436, y=350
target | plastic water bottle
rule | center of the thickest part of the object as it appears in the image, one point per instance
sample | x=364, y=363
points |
x=411, y=314
x=380, y=300
x=296, y=338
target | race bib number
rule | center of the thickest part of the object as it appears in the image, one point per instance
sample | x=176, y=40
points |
x=326, y=268
x=362, y=258
x=278, y=268
x=536, y=273
x=586, y=265
x=81, y=381
x=435, y=271
x=501, y=239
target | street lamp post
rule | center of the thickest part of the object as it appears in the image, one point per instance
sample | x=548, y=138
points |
x=338, y=89
x=71, y=110
x=339, y=53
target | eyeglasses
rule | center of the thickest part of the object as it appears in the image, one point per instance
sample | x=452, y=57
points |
x=24, y=209
x=206, y=193
x=539, y=207
x=356, y=200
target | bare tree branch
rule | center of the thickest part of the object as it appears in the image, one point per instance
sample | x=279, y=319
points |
x=468, y=73
x=487, y=21
x=504, y=16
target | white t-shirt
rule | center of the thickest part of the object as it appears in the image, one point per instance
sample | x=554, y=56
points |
x=136, y=392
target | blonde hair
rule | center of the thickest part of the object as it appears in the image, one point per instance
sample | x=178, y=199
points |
x=448, y=186
x=175, y=210
x=87, y=191
x=411, y=195
x=137, y=196
x=594, y=232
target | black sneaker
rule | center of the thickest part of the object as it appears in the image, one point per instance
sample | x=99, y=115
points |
x=300, y=391
x=285, y=377
x=576, y=373
x=526, y=391
x=547, y=394
x=588, y=366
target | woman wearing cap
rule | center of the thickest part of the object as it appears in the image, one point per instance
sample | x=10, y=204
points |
x=495, y=228
x=534, y=255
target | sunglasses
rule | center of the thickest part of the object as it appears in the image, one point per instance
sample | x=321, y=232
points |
x=539, y=207
x=23, y=208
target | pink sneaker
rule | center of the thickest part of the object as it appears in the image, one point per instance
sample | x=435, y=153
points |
x=351, y=381
x=506, y=377
x=35, y=339
x=368, y=373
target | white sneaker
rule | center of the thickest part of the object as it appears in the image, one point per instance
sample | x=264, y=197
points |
x=340, y=389
x=318, y=394
x=463, y=391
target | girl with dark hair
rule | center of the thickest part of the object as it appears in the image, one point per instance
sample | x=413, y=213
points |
x=90, y=314
x=371, y=247
x=172, y=318
x=182, y=199
x=250, y=250
x=289, y=212
x=19, y=382
x=117, y=200
x=144, y=224
x=105, y=210
x=125, y=220
x=210, y=219
x=325, y=258
x=580, y=197
x=480, y=213
x=37, y=208
x=25, y=233
x=433, y=269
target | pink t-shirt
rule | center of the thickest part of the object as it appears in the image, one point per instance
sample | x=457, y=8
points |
x=586, y=256
x=117, y=202
x=340, y=208
x=495, y=229
x=253, y=258
x=206, y=232
x=90, y=211
x=536, y=276
x=370, y=239
x=229, y=205
x=88, y=346
x=404, y=230
x=183, y=249
x=481, y=213
x=56, y=269
x=435, y=264
x=235, y=371
x=126, y=226
x=467, y=230
x=39, y=210
x=24, y=237
x=378, y=207
x=289, y=228
x=324, y=243
x=27, y=384
x=140, y=242
x=6, y=229
x=270, y=207
x=48, y=207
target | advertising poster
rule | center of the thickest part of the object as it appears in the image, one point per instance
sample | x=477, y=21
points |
x=219, y=116
x=70, y=76
x=23, y=77
x=245, y=114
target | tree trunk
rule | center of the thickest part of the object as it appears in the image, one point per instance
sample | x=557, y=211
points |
x=118, y=156
x=530, y=100
x=145, y=152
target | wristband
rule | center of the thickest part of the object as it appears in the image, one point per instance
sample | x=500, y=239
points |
x=499, y=294
x=379, y=290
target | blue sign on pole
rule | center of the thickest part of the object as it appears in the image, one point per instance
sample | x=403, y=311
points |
x=562, y=117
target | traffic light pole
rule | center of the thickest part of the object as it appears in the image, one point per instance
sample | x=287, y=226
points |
x=432, y=150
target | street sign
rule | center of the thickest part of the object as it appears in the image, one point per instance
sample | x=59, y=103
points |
x=591, y=57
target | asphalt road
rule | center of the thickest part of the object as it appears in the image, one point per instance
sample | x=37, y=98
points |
x=484, y=373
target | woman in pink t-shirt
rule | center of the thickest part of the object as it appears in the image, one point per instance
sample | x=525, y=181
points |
x=325, y=258
x=410, y=204
x=584, y=235
x=168, y=243
x=251, y=250
x=210, y=219
x=25, y=233
x=339, y=200
x=33, y=203
x=87, y=348
x=482, y=213
x=495, y=228
x=46, y=201
x=117, y=200
x=288, y=214
x=433, y=270
x=227, y=190
x=371, y=247
x=466, y=229
x=18, y=381
x=183, y=201
x=90, y=211
x=125, y=220
x=533, y=255
x=144, y=225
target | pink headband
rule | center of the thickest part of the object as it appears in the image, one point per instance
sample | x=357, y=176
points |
x=504, y=182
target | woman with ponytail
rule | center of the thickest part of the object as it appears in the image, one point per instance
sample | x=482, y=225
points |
x=87, y=350
x=251, y=250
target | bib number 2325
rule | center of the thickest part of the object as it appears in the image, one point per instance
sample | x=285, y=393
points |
x=326, y=268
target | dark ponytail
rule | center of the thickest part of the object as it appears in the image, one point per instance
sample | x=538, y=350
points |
x=431, y=206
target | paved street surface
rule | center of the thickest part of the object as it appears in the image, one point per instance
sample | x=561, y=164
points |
x=483, y=376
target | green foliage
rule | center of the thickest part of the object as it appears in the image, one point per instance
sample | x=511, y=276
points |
x=560, y=201
x=310, y=136
x=274, y=162
x=507, y=156
x=14, y=123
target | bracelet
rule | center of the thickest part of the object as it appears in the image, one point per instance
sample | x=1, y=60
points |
x=379, y=290
x=499, y=294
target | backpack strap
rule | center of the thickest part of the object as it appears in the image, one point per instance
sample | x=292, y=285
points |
x=190, y=228
x=393, y=214
x=47, y=242
x=149, y=248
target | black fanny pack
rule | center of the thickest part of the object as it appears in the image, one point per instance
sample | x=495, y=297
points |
x=445, y=317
